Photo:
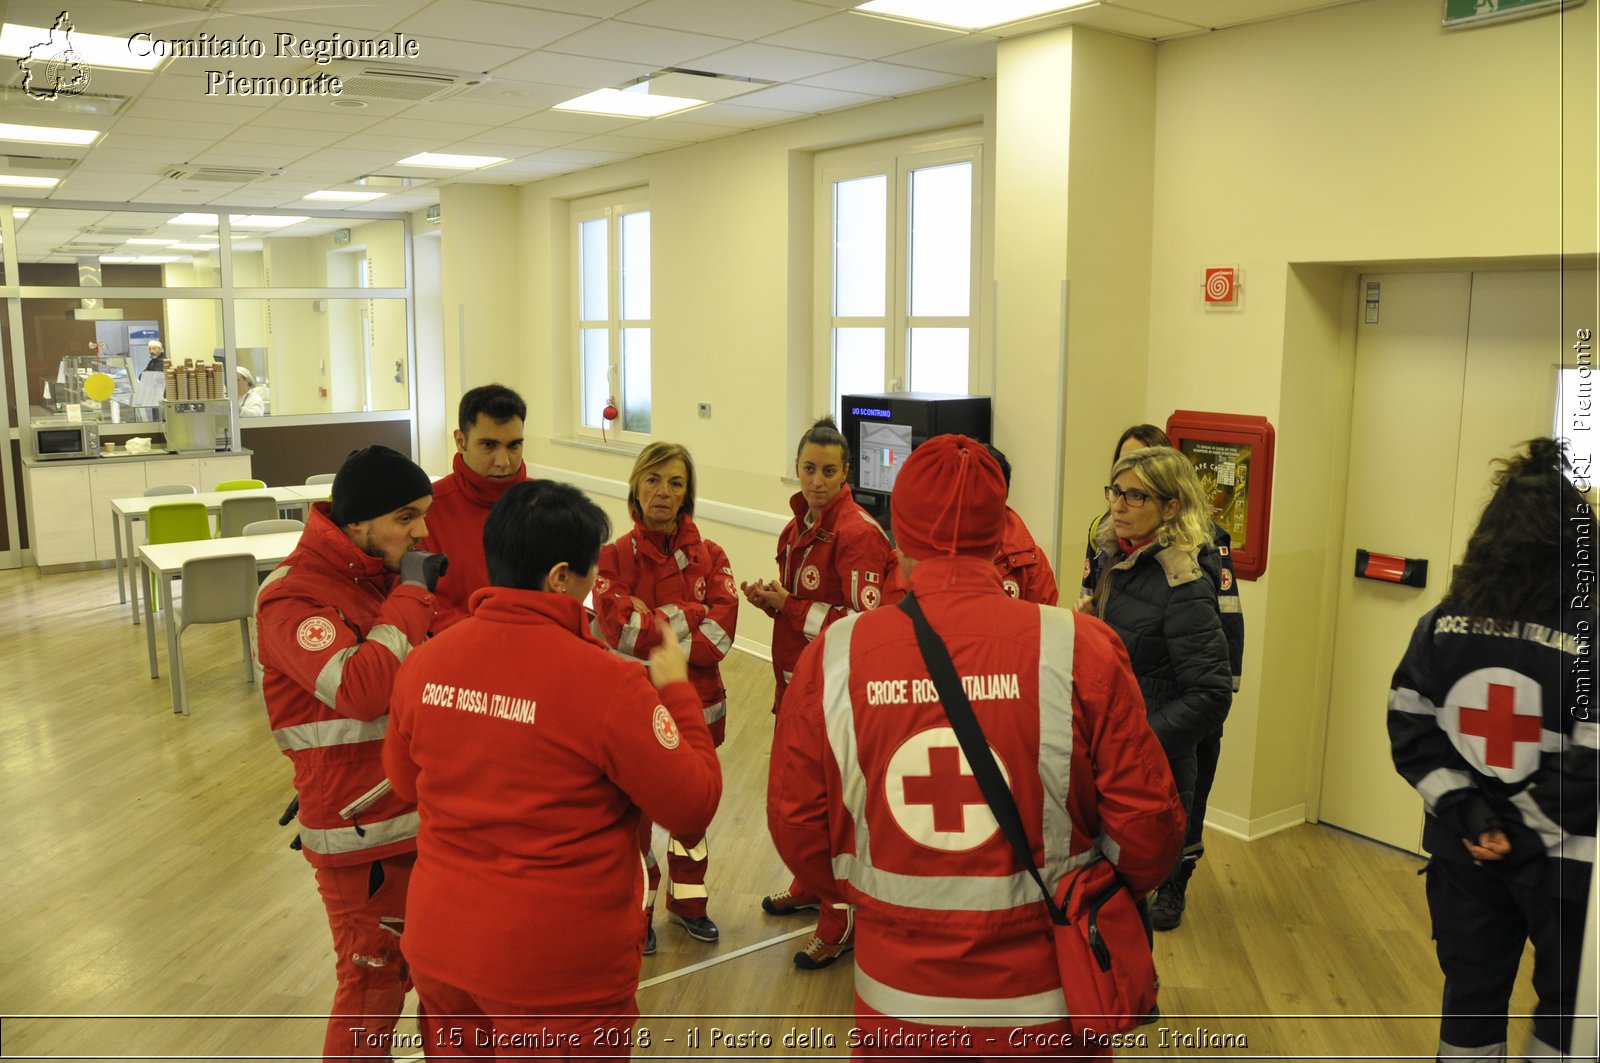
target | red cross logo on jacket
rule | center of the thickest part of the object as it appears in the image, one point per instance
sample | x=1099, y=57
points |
x=934, y=796
x=1498, y=719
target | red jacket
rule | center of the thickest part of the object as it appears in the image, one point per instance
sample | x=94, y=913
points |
x=864, y=798
x=531, y=750
x=1024, y=570
x=332, y=627
x=841, y=564
x=687, y=582
x=461, y=504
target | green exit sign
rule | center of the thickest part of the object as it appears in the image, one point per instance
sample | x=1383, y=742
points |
x=1458, y=13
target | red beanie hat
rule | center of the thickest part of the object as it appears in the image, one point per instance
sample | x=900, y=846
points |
x=950, y=498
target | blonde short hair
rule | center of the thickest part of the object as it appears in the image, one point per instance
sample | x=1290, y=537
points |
x=1170, y=476
x=651, y=456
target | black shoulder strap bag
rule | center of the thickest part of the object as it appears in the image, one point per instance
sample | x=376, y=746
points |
x=1102, y=932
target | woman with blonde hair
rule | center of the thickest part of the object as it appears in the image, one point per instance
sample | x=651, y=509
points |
x=663, y=572
x=1154, y=592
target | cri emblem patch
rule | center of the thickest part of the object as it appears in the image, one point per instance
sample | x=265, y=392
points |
x=601, y=585
x=315, y=633
x=665, y=728
x=869, y=597
x=810, y=578
x=1012, y=588
x=700, y=589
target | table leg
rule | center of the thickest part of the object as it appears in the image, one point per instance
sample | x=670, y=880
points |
x=150, y=620
x=136, y=576
x=180, y=704
x=116, y=537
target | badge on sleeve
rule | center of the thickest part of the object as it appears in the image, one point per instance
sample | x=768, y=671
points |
x=601, y=585
x=810, y=578
x=315, y=633
x=869, y=597
x=665, y=727
x=1011, y=588
x=700, y=589
x=1227, y=579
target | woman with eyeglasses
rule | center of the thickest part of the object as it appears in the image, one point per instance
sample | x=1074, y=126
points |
x=1154, y=592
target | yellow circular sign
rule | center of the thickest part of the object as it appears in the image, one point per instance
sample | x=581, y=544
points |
x=99, y=386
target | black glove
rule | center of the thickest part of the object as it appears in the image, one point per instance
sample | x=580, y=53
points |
x=422, y=568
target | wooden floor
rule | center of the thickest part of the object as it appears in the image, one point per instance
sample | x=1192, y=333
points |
x=153, y=910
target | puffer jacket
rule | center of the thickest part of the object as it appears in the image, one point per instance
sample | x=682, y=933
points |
x=1162, y=605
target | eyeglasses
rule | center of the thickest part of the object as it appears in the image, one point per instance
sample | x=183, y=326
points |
x=1134, y=497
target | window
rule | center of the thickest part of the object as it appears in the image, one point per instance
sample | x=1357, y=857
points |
x=899, y=261
x=611, y=252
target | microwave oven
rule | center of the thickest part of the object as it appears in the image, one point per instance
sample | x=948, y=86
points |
x=57, y=442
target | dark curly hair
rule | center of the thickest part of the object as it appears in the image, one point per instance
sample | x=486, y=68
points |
x=1514, y=562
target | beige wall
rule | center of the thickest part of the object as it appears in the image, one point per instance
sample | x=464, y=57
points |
x=1359, y=134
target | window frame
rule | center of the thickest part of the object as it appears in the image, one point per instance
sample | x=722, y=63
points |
x=897, y=159
x=612, y=206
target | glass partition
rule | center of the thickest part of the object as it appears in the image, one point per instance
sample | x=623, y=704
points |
x=86, y=248
x=325, y=355
x=331, y=253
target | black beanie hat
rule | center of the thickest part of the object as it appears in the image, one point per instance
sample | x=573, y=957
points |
x=374, y=481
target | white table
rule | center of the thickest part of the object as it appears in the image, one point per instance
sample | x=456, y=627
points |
x=125, y=511
x=164, y=562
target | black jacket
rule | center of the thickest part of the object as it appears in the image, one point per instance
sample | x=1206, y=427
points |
x=1493, y=723
x=1162, y=604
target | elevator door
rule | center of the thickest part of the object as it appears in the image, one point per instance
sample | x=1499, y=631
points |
x=1457, y=370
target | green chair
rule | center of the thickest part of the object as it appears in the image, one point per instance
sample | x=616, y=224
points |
x=241, y=485
x=175, y=522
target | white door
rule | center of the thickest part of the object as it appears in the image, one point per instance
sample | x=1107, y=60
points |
x=1457, y=370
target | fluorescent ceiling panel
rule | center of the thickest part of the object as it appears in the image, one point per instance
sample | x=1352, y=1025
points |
x=18, y=181
x=44, y=134
x=46, y=44
x=636, y=101
x=344, y=197
x=444, y=161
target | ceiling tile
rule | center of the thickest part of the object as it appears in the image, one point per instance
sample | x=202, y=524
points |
x=593, y=8
x=116, y=143
x=570, y=121
x=256, y=133
x=352, y=16
x=639, y=44
x=883, y=79
x=729, y=116
x=336, y=121
x=630, y=145
x=518, y=139
x=580, y=72
x=688, y=129
x=410, y=127
x=848, y=33
x=244, y=149
x=1136, y=23
x=1216, y=14
x=473, y=20
x=745, y=21
x=799, y=99
x=972, y=56
x=485, y=114
x=503, y=91
x=770, y=63
x=176, y=111
x=439, y=53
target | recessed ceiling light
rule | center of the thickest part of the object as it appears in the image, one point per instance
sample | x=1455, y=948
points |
x=45, y=134
x=635, y=101
x=443, y=161
x=194, y=247
x=150, y=243
x=18, y=181
x=153, y=260
x=968, y=14
x=94, y=49
x=347, y=103
x=194, y=219
x=264, y=221
x=345, y=197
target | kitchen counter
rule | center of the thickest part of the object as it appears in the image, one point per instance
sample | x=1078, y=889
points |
x=122, y=457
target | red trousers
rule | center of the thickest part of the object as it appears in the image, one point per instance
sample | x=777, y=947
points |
x=366, y=906
x=458, y=1025
x=886, y=1037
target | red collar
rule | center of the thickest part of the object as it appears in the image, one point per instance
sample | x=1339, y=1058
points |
x=481, y=489
x=1134, y=547
x=513, y=606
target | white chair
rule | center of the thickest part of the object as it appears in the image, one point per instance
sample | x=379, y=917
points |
x=272, y=527
x=215, y=591
x=171, y=489
x=320, y=478
x=246, y=509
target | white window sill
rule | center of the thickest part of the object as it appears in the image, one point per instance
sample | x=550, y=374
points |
x=627, y=450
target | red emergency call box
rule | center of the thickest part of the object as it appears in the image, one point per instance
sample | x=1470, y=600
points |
x=1232, y=455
